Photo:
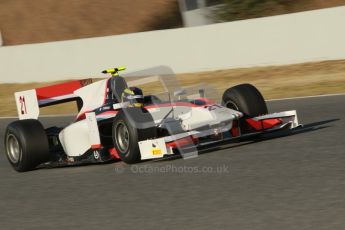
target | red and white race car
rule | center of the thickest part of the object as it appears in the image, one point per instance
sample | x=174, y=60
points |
x=116, y=121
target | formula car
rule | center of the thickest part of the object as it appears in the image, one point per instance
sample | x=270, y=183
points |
x=116, y=121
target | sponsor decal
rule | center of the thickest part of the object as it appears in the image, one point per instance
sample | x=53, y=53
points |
x=155, y=150
x=23, y=109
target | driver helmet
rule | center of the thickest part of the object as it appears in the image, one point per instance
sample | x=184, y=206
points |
x=134, y=96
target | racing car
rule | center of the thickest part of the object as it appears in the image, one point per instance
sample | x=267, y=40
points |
x=116, y=121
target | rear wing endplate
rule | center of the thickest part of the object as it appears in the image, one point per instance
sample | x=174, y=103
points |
x=27, y=104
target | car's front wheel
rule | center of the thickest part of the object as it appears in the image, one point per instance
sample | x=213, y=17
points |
x=130, y=126
x=246, y=99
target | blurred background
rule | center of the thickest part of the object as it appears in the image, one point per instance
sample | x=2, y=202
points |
x=35, y=21
x=235, y=52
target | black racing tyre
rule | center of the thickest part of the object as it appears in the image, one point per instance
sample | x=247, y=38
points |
x=26, y=145
x=130, y=126
x=246, y=99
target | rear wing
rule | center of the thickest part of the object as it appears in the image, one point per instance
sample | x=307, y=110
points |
x=28, y=102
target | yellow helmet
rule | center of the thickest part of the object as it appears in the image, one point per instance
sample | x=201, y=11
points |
x=134, y=99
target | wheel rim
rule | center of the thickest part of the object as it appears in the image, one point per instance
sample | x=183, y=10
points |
x=232, y=105
x=13, y=148
x=122, y=137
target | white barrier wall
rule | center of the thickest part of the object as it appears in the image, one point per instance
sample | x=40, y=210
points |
x=301, y=37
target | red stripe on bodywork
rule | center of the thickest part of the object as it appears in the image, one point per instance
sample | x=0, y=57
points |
x=98, y=146
x=106, y=91
x=60, y=89
x=182, y=142
x=83, y=115
x=263, y=124
x=108, y=112
x=206, y=100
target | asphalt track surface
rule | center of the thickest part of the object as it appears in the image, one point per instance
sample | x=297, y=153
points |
x=291, y=182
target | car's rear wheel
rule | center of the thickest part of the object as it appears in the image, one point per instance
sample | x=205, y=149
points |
x=246, y=99
x=26, y=145
x=130, y=126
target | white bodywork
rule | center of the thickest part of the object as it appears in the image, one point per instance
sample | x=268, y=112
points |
x=80, y=136
x=92, y=125
x=92, y=95
x=286, y=116
x=192, y=118
x=209, y=116
x=75, y=138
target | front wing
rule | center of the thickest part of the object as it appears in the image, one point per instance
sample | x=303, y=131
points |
x=194, y=140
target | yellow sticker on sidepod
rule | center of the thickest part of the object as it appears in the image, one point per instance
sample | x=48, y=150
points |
x=156, y=151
